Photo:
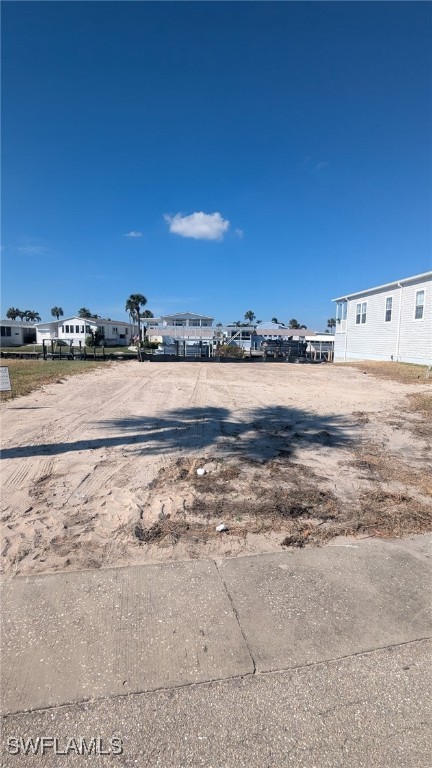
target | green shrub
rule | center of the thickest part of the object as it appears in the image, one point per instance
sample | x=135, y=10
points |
x=95, y=338
x=230, y=350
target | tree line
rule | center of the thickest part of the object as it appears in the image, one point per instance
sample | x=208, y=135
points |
x=250, y=317
x=134, y=307
x=29, y=315
x=292, y=324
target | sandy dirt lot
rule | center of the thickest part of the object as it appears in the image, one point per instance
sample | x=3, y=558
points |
x=101, y=470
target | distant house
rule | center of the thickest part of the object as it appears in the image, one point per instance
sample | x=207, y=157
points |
x=280, y=331
x=187, y=320
x=253, y=337
x=191, y=329
x=389, y=322
x=186, y=326
x=76, y=329
x=14, y=333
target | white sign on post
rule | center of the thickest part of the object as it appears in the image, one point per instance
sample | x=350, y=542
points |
x=5, y=385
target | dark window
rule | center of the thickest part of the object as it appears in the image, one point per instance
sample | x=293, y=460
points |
x=419, y=305
x=389, y=307
x=6, y=331
x=358, y=314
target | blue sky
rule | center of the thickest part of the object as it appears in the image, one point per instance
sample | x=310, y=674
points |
x=216, y=157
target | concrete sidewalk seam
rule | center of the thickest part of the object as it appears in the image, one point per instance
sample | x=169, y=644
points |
x=256, y=676
x=369, y=651
x=80, y=702
x=234, y=610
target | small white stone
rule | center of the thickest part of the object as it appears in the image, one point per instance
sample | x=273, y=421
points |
x=200, y=471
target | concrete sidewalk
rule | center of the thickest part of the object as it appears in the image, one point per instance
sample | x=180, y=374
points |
x=199, y=643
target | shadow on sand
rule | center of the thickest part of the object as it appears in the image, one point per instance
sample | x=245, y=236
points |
x=260, y=433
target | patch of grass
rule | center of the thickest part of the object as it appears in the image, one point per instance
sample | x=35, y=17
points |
x=386, y=468
x=24, y=348
x=28, y=375
x=285, y=498
x=114, y=350
x=65, y=348
x=384, y=513
x=405, y=373
x=421, y=403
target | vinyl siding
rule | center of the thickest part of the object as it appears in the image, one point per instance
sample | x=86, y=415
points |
x=415, y=343
x=377, y=339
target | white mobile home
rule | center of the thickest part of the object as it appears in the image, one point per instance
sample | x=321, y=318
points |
x=389, y=322
x=76, y=329
x=15, y=333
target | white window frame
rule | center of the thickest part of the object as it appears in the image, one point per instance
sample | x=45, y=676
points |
x=388, y=309
x=422, y=305
x=361, y=315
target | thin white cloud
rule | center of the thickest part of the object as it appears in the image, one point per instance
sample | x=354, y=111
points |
x=32, y=250
x=133, y=233
x=199, y=225
x=320, y=166
x=238, y=233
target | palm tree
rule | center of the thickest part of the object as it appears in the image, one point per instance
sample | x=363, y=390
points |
x=85, y=313
x=31, y=316
x=13, y=313
x=21, y=314
x=331, y=323
x=274, y=320
x=57, y=312
x=293, y=323
x=250, y=316
x=133, y=306
x=146, y=315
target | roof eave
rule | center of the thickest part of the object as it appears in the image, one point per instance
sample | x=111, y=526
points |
x=385, y=286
